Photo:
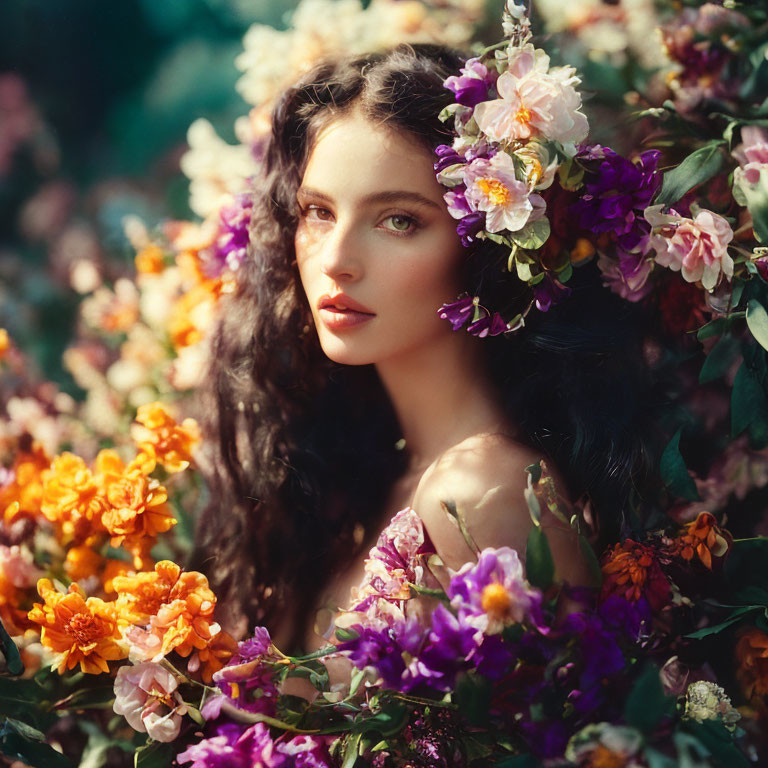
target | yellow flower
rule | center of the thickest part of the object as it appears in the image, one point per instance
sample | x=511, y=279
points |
x=77, y=630
x=5, y=343
x=158, y=434
x=71, y=498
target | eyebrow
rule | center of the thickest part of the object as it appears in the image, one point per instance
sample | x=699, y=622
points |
x=392, y=196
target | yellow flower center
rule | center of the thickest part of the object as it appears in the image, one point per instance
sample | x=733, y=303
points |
x=523, y=115
x=535, y=170
x=494, y=190
x=496, y=601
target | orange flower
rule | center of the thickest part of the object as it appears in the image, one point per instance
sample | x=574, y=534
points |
x=5, y=343
x=17, y=574
x=23, y=495
x=704, y=538
x=213, y=657
x=193, y=313
x=752, y=656
x=77, y=630
x=632, y=571
x=150, y=260
x=136, y=509
x=113, y=569
x=179, y=607
x=82, y=562
x=170, y=442
x=71, y=498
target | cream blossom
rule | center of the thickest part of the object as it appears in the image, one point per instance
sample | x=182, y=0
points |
x=493, y=187
x=752, y=155
x=698, y=247
x=145, y=694
x=535, y=101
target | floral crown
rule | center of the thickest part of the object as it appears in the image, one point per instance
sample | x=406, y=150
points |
x=517, y=124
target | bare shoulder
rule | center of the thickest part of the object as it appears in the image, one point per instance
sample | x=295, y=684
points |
x=485, y=477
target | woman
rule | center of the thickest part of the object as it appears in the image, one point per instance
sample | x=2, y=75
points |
x=338, y=397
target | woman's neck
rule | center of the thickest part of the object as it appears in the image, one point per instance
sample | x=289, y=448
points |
x=441, y=395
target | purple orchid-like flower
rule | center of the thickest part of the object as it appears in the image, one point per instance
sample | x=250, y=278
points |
x=447, y=156
x=231, y=246
x=458, y=312
x=491, y=325
x=232, y=746
x=470, y=226
x=549, y=292
x=474, y=84
x=616, y=192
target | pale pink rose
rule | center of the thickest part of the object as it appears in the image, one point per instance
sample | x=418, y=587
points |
x=145, y=694
x=536, y=101
x=698, y=247
x=492, y=187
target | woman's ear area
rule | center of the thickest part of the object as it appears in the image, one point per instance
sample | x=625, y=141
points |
x=485, y=478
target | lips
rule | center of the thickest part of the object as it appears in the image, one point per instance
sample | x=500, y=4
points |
x=342, y=303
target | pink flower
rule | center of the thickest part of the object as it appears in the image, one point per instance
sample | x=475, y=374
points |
x=493, y=187
x=752, y=155
x=145, y=694
x=696, y=247
x=536, y=101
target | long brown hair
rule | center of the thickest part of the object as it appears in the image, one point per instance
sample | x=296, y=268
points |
x=303, y=450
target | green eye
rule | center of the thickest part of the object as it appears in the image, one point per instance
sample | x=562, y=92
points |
x=401, y=223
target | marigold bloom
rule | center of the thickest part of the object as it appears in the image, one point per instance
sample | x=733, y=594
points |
x=213, y=657
x=631, y=570
x=752, y=657
x=26, y=487
x=72, y=498
x=5, y=343
x=83, y=562
x=178, y=607
x=193, y=313
x=702, y=538
x=136, y=505
x=77, y=630
x=171, y=443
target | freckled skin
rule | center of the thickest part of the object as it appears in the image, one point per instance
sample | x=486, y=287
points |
x=373, y=251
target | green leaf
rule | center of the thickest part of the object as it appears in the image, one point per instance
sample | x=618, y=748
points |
x=719, y=742
x=154, y=755
x=719, y=359
x=450, y=509
x=732, y=619
x=473, y=697
x=714, y=328
x=697, y=168
x=533, y=235
x=757, y=322
x=13, y=660
x=344, y=635
x=21, y=741
x=517, y=761
x=756, y=199
x=593, y=564
x=646, y=704
x=350, y=752
x=539, y=564
x=674, y=473
x=749, y=408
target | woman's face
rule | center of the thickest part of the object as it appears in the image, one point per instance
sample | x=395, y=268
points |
x=376, y=248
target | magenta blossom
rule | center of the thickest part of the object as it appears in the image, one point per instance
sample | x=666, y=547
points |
x=473, y=84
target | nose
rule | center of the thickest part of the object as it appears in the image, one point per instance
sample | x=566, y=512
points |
x=340, y=254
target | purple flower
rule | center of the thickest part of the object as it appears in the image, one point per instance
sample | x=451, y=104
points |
x=457, y=313
x=492, y=325
x=447, y=156
x=473, y=84
x=616, y=191
x=246, y=680
x=469, y=226
x=492, y=592
x=233, y=747
x=549, y=292
x=255, y=646
x=627, y=273
x=231, y=246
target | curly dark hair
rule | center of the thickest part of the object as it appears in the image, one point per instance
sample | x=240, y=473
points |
x=303, y=449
